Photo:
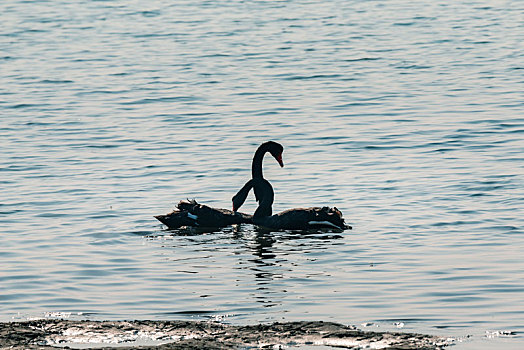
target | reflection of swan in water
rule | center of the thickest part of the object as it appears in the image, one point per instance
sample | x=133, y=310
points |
x=274, y=261
x=263, y=264
x=277, y=263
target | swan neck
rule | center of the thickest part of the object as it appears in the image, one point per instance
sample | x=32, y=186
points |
x=256, y=167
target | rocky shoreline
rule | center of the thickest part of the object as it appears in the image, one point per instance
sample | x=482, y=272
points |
x=48, y=334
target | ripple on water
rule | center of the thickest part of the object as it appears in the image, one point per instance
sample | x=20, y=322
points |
x=409, y=122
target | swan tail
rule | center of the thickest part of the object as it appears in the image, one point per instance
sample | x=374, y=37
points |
x=329, y=217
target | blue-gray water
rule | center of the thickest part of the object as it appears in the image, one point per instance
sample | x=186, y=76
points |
x=407, y=116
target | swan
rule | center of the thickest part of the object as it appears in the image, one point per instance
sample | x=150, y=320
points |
x=291, y=219
x=190, y=213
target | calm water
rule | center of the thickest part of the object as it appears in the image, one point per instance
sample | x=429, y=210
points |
x=406, y=116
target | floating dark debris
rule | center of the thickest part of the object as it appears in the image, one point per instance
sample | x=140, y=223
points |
x=161, y=335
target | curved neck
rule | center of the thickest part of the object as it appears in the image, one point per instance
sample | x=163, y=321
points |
x=256, y=166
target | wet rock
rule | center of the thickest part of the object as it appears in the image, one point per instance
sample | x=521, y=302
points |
x=162, y=335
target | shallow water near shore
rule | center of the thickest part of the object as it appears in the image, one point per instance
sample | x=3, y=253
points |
x=407, y=117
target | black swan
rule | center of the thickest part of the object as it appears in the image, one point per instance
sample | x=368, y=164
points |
x=192, y=214
x=291, y=219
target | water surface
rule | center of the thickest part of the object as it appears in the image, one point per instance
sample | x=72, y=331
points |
x=407, y=117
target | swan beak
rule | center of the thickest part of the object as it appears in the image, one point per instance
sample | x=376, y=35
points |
x=234, y=209
x=280, y=161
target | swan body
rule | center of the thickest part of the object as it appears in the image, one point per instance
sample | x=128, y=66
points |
x=304, y=219
x=191, y=213
x=291, y=219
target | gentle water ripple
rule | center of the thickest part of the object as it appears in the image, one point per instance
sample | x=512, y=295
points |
x=407, y=117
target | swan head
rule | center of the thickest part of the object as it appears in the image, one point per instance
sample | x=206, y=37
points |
x=276, y=150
